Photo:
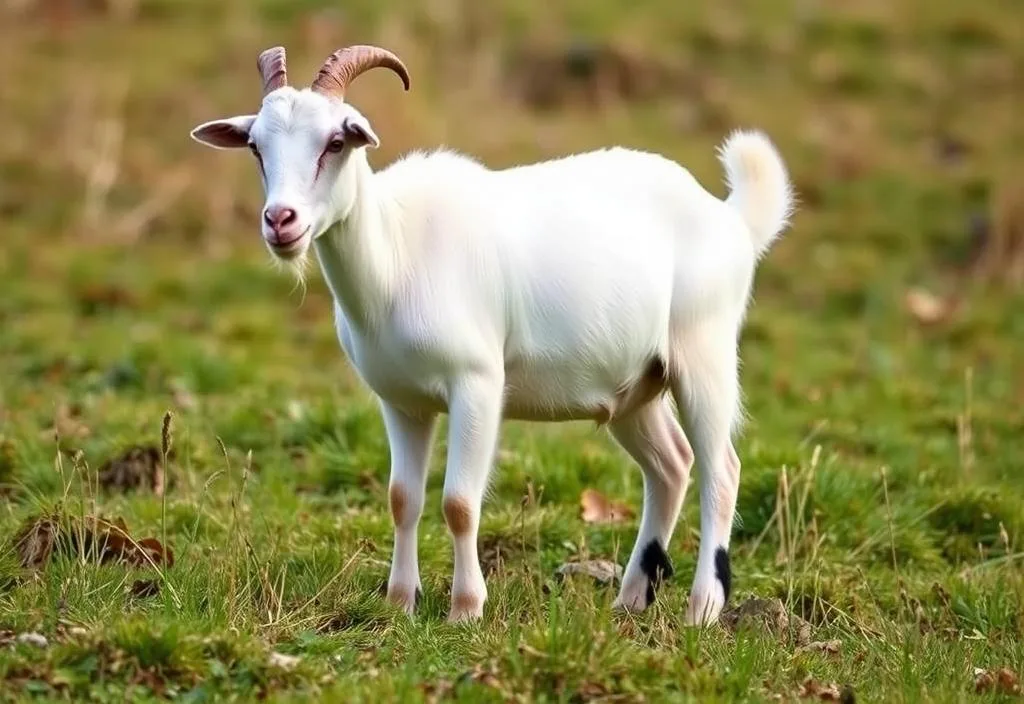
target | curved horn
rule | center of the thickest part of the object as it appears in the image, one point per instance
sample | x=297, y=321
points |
x=273, y=69
x=343, y=66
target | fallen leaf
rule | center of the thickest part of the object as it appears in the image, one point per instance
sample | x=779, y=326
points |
x=155, y=551
x=822, y=646
x=599, y=509
x=926, y=307
x=1003, y=681
x=604, y=571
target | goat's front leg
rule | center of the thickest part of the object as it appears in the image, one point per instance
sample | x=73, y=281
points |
x=474, y=410
x=410, y=441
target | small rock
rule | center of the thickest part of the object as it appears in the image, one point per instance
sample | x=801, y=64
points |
x=285, y=662
x=604, y=571
x=35, y=639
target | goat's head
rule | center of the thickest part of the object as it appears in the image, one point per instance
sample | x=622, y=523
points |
x=303, y=141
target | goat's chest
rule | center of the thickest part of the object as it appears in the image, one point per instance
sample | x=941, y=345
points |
x=405, y=362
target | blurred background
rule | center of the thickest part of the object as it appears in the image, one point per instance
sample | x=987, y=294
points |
x=886, y=324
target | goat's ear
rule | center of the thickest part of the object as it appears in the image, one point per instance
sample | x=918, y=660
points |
x=230, y=133
x=358, y=133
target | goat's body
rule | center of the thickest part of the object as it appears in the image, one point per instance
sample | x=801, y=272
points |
x=580, y=281
x=579, y=288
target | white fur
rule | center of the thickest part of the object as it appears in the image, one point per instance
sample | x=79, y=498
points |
x=543, y=292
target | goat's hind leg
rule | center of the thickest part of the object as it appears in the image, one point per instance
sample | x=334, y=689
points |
x=706, y=388
x=652, y=436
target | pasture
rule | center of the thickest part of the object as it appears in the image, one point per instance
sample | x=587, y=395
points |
x=193, y=484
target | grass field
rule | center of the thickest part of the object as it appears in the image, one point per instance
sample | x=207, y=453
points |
x=881, y=511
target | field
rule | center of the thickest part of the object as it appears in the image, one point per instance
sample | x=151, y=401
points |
x=158, y=369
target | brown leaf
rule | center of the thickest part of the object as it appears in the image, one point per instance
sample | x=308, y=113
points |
x=604, y=571
x=155, y=551
x=926, y=307
x=1003, y=681
x=599, y=509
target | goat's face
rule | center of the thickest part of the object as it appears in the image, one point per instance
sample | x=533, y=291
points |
x=302, y=142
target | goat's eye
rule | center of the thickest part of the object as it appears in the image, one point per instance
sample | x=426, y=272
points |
x=254, y=149
x=335, y=145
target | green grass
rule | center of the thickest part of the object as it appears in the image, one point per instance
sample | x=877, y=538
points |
x=882, y=498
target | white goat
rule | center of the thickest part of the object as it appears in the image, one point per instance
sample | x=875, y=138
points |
x=579, y=288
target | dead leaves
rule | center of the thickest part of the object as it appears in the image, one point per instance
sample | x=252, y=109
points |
x=596, y=508
x=1002, y=681
x=138, y=466
x=95, y=538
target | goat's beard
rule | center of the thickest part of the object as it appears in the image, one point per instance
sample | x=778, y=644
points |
x=298, y=267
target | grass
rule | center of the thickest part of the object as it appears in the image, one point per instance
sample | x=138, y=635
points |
x=882, y=500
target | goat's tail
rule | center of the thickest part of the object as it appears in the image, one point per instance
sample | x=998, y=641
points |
x=759, y=186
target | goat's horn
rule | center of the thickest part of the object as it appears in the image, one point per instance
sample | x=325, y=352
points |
x=272, y=68
x=343, y=66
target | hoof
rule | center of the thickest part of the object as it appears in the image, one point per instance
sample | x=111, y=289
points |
x=466, y=608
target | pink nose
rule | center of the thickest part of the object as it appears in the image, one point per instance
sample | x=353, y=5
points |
x=283, y=221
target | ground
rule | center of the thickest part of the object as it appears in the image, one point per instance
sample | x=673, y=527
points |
x=882, y=498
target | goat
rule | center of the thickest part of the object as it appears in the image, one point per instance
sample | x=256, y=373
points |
x=599, y=286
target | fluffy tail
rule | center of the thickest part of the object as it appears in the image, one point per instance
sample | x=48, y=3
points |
x=759, y=186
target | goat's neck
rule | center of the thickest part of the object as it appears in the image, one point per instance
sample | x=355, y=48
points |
x=362, y=255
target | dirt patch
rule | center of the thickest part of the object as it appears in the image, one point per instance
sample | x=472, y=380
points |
x=138, y=467
x=770, y=616
x=551, y=76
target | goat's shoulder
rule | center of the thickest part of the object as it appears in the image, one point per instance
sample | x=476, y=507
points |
x=421, y=166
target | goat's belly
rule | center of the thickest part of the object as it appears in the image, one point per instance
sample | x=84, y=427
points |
x=557, y=396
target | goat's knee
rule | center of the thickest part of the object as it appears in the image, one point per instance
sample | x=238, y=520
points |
x=458, y=515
